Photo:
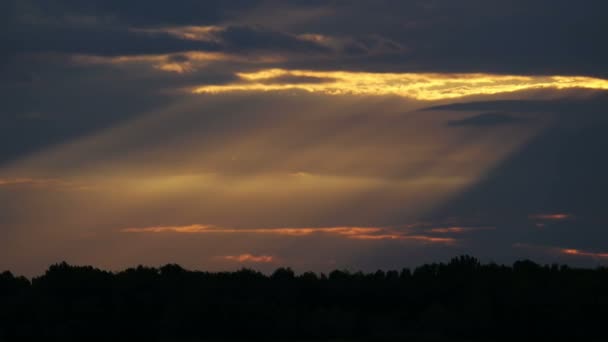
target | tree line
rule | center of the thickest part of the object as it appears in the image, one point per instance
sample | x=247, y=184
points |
x=458, y=300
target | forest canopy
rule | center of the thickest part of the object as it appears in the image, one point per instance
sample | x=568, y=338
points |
x=461, y=299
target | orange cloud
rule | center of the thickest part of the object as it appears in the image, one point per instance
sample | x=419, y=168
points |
x=562, y=251
x=422, y=238
x=358, y=233
x=551, y=217
x=199, y=228
x=457, y=230
x=194, y=228
x=578, y=252
x=249, y=258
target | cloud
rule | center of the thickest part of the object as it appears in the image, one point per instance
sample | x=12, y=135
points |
x=429, y=87
x=557, y=173
x=244, y=39
x=556, y=251
x=180, y=63
x=457, y=230
x=246, y=258
x=552, y=217
x=379, y=36
x=568, y=103
x=206, y=229
x=578, y=252
x=487, y=119
x=357, y=233
x=197, y=228
x=417, y=238
x=474, y=36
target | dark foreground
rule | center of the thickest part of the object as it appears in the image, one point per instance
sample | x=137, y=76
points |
x=460, y=300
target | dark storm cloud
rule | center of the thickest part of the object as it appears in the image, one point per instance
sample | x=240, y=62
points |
x=519, y=37
x=103, y=41
x=113, y=28
x=487, y=119
x=540, y=37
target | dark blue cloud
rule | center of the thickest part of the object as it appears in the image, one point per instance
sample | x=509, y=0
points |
x=562, y=170
x=543, y=37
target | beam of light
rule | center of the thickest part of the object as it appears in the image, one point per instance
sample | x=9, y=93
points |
x=28, y=181
x=46, y=183
x=420, y=86
x=357, y=233
x=246, y=257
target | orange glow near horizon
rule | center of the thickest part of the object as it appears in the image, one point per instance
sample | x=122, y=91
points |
x=420, y=86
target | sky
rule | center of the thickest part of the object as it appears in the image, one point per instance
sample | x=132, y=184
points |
x=319, y=135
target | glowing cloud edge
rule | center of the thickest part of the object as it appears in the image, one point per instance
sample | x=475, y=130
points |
x=419, y=86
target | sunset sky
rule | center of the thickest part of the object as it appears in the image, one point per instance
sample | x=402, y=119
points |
x=312, y=134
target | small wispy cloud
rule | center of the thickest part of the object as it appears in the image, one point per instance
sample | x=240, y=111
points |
x=556, y=250
x=457, y=229
x=551, y=217
x=200, y=228
x=246, y=257
x=421, y=238
x=356, y=233
x=573, y=251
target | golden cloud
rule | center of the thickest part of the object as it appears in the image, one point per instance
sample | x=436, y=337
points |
x=420, y=86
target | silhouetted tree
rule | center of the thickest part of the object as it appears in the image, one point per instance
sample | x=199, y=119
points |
x=461, y=299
